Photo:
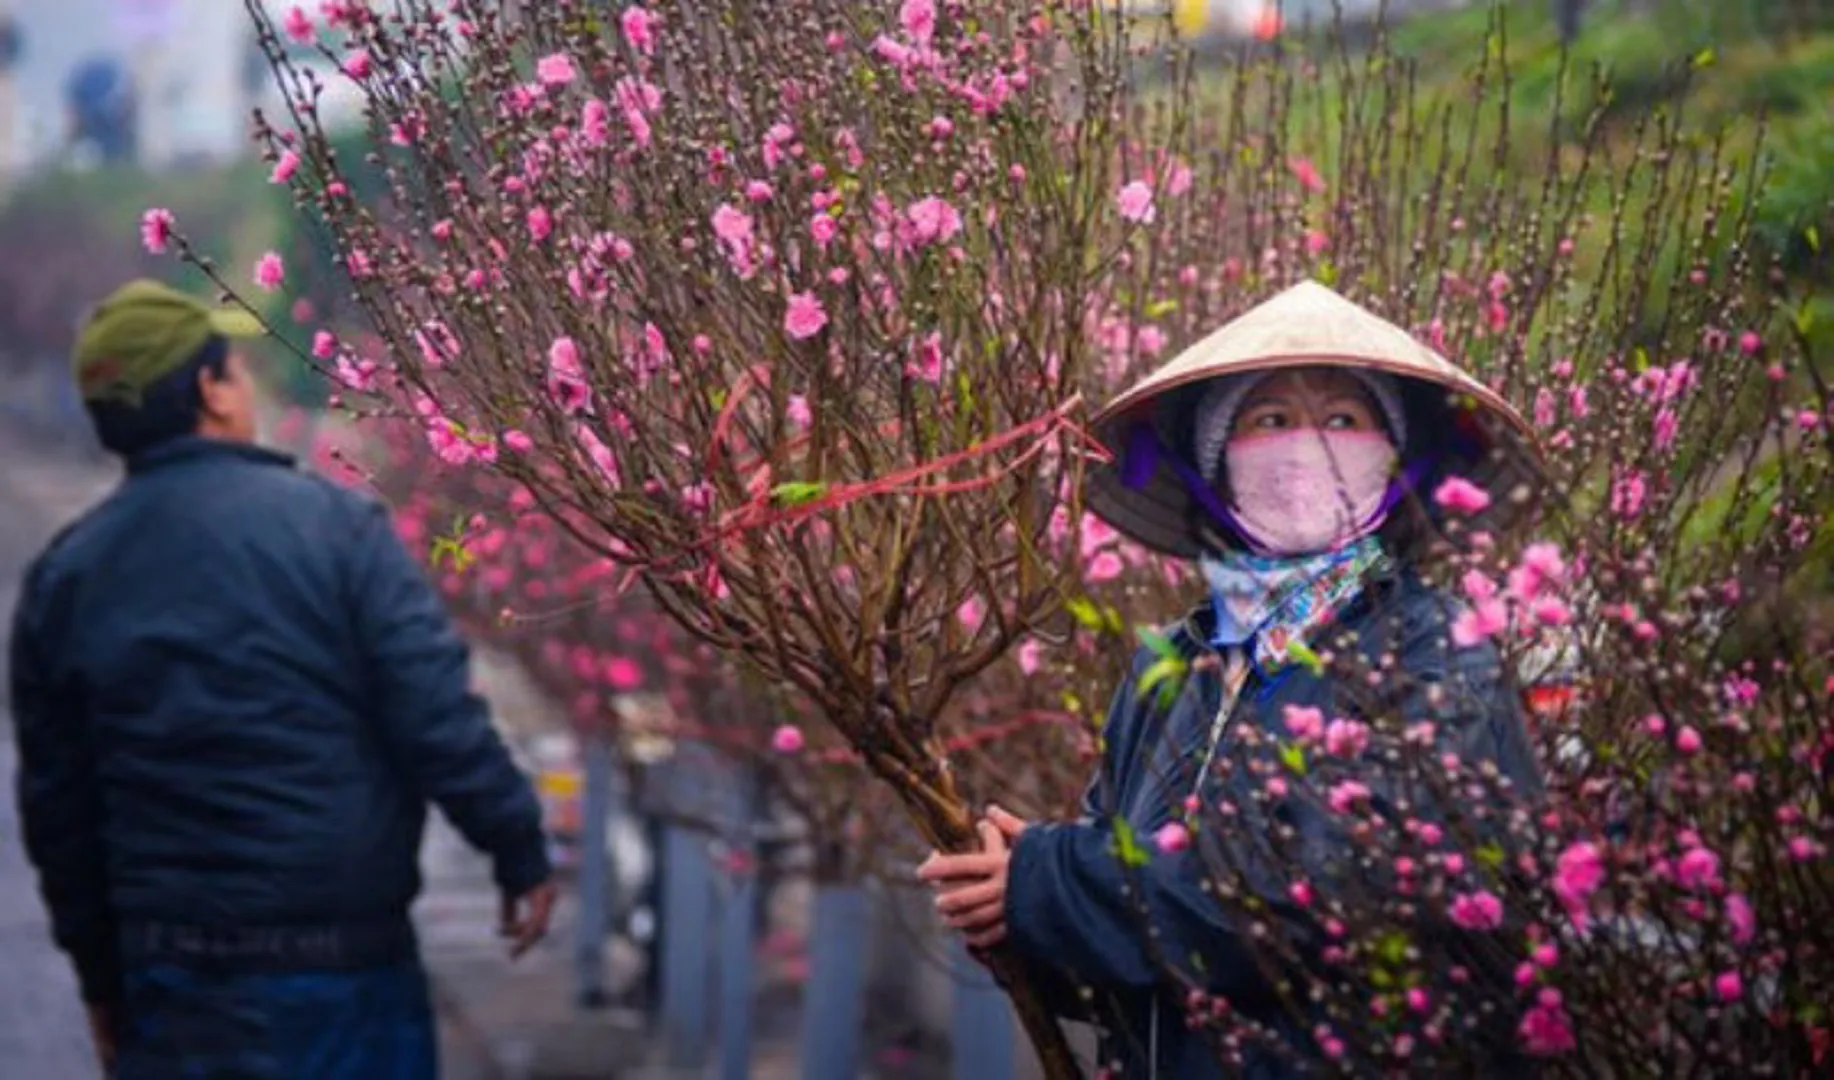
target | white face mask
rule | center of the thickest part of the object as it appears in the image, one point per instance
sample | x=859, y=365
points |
x=1299, y=492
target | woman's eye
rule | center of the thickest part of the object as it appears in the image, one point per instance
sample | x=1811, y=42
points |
x=1270, y=421
x=1343, y=421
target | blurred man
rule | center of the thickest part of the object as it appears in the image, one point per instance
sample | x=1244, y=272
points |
x=235, y=695
x=103, y=111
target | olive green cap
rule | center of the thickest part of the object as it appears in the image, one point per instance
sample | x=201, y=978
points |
x=144, y=331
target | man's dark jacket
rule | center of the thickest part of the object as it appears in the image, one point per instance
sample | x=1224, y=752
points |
x=1074, y=910
x=235, y=693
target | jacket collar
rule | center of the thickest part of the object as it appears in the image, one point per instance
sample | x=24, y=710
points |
x=198, y=448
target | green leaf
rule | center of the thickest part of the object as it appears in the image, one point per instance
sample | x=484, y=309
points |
x=1391, y=946
x=1292, y=755
x=1084, y=611
x=1158, y=309
x=1490, y=854
x=1381, y=979
x=798, y=492
x=1165, y=677
x=1640, y=359
x=1813, y=236
x=1300, y=653
x=1805, y=319
x=1704, y=58
x=1127, y=846
x=1158, y=642
x=1325, y=272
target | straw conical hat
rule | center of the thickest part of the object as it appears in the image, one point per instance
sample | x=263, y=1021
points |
x=1306, y=325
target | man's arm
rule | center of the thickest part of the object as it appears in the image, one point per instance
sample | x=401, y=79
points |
x=60, y=805
x=439, y=730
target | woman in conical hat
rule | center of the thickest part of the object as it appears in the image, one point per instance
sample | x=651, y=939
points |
x=1285, y=453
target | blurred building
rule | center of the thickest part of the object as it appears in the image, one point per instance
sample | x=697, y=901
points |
x=164, y=83
x=1241, y=19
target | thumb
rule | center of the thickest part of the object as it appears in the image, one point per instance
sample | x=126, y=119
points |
x=993, y=841
x=1006, y=821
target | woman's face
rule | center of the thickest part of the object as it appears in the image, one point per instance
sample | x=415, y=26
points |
x=1322, y=398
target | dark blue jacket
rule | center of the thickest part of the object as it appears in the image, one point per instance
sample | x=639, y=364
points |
x=1077, y=914
x=235, y=693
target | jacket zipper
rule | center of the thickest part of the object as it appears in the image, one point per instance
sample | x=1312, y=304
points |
x=1235, y=677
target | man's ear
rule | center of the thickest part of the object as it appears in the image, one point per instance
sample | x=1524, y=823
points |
x=211, y=388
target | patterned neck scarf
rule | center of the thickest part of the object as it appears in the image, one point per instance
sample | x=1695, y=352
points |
x=1267, y=602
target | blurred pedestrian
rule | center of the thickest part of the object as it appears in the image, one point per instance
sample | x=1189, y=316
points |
x=1283, y=455
x=235, y=694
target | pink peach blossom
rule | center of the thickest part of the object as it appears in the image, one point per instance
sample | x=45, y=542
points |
x=787, y=739
x=156, y=230
x=804, y=317
x=1172, y=837
x=270, y=271
x=298, y=26
x=639, y=28
x=1135, y=201
x=1461, y=496
x=555, y=69
x=1481, y=910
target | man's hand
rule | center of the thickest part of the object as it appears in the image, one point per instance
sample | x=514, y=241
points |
x=102, y=1029
x=525, y=918
x=974, y=898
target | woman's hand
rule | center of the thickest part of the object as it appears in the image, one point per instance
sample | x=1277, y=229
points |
x=971, y=888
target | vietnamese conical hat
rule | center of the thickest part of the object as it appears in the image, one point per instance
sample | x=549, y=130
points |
x=1306, y=325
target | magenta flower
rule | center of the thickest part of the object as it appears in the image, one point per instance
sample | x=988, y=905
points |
x=540, y=223
x=324, y=345
x=1578, y=873
x=298, y=26
x=1344, y=796
x=933, y=221
x=918, y=17
x=1307, y=174
x=623, y=673
x=555, y=69
x=1346, y=738
x=1461, y=496
x=1742, y=921
x=595, y=122
x=1172, y=837
x=156, y=230
x=639, y=27
x=787, y=739
x=796, y=410
x=1687, y=740
x=357, y=65
x=1307, y=724
x=1105, y=566
x=1029, y=656
x=1484, y=619
x=1697, y=869
x=1546, y=1030
x=286, y=166
x=1135, y=202
x=928, y=363
x=566, y=377
x=1728, y=986
x=804, y=317
x=518, y=441
x=1481, y=910
x=823, y=227
x=270, y=271
x=1750, y=343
